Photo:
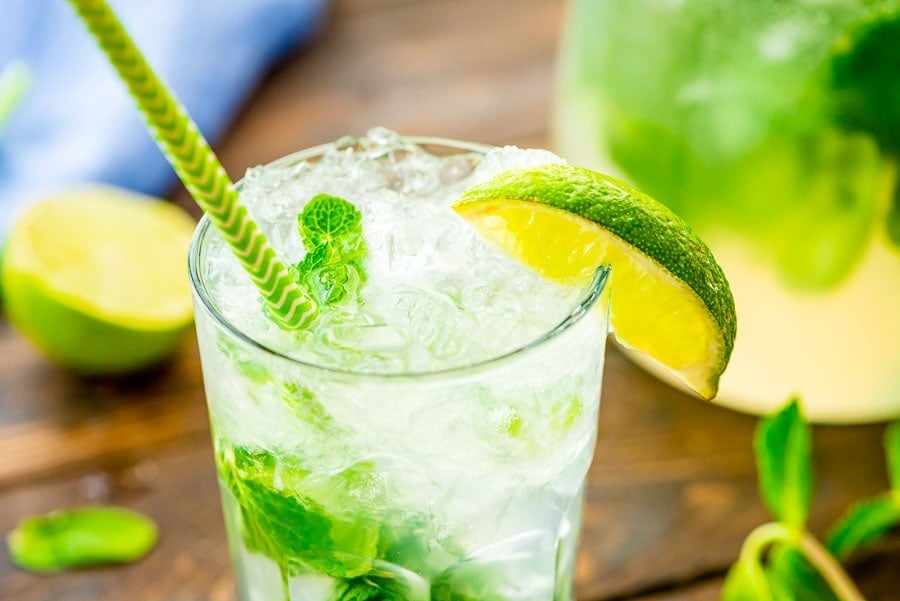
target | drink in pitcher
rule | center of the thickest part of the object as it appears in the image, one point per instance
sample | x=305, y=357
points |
x=773, y=128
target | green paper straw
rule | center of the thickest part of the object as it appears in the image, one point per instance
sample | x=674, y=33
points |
x=14, y=82
x=197, y=166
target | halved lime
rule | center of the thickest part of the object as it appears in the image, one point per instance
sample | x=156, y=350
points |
x=669, y=298
x=97, y=279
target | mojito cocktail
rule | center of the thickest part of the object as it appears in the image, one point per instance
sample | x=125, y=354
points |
x=429, y=437
x=773, y=128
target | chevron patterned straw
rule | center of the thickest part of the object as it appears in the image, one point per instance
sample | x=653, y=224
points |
x=197, y=166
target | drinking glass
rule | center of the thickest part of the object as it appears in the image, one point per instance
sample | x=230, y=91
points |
x=459, y=483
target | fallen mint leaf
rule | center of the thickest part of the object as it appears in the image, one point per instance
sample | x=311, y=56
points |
x=78, y=538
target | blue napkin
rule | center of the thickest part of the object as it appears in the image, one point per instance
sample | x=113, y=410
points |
x=76, y=122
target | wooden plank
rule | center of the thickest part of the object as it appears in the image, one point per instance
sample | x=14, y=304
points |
x=708, y=590
x=470, y=69
x=52, y=422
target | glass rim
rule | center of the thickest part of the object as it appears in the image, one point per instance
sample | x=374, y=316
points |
x=591, y=293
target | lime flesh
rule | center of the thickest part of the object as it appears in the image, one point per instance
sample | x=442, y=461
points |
x=97, y=279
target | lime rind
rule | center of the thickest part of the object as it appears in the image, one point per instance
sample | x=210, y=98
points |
x=636, y=218
x=644, y=230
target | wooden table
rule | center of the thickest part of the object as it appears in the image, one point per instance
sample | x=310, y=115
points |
x=672, y=490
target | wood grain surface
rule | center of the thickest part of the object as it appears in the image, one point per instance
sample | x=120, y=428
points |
x=672, y=492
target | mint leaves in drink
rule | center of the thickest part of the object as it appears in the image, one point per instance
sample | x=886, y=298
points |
x=281, y=519
x=781, y=559
x=78, y=538
x=331, y=229
x=330, y=525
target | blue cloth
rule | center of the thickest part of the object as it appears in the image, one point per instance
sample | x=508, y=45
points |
x=77, y=123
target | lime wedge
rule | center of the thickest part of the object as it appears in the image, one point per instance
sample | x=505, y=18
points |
x=669, y=298
x=97, y=279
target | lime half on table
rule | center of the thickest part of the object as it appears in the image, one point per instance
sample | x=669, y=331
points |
x=669, y=298
x=97, y=279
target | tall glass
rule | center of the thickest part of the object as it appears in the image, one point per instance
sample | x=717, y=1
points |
x=773, y=127
x=465, y=483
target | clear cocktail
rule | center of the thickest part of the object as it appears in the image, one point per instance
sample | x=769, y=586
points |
x=430, y=436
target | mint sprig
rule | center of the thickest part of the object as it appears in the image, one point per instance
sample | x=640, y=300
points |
x=331, y=229
x=781, y=559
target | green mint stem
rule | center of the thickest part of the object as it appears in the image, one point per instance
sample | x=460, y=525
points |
x=285, y=581
x=830, y=570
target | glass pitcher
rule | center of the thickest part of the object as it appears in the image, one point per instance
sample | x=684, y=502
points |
x=773, y=127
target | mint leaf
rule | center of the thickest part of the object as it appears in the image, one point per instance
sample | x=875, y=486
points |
x=865, y=523
x=784, y=459
x=863, y=71
x=788, y=570
x=285, y=514
x=407, y=540
x=303, y=403
x=379, y=585
x=332, y=269
x=364, y=589
x=475, y=586
x=746, y=581
x=326, y=219
x=892, y=454
x=78, y=538
x=289, y=527
x=356, y=590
